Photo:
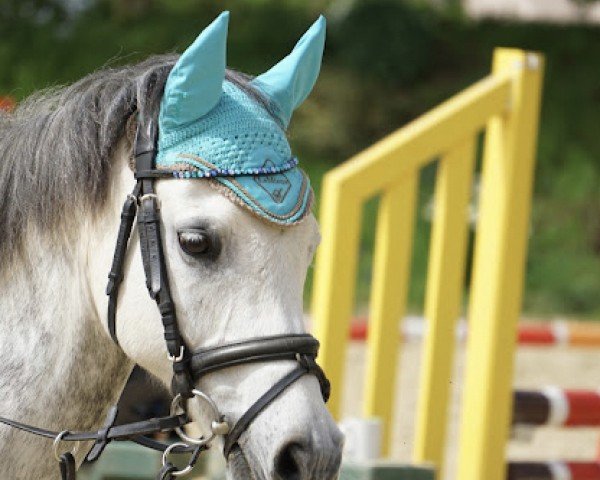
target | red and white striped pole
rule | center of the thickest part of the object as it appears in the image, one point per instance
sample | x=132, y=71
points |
x=557, y=407
x=559, y=333
x=553, y=471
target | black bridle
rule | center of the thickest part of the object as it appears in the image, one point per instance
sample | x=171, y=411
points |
x=188, y=366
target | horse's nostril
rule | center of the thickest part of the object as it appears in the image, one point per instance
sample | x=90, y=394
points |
x=290, y=462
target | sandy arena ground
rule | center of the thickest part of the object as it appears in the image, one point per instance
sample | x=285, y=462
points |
x=535, y=367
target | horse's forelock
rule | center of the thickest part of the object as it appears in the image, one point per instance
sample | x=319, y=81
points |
x=56, y=147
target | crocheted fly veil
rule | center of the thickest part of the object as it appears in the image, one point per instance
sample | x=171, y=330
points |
x=210, y=128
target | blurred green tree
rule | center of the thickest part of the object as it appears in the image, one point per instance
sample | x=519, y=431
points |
x=128, y=9
x=386, y=62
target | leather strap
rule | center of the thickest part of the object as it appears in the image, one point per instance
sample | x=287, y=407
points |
x=115, y=277
x=158, y=288
x=166, y=472
x=140, y=174
x=312, y=367
x=149, y=224
x=103, y=439
x=257, y=407
x=67, y=467
x=170, y=471
x=118, y=432
x=159, y=446
x=276, y=347
x=151, y=247
x=301, y=347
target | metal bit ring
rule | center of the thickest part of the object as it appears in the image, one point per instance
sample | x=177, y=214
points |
x=56, y=444
x=165, y=456
x=218, y=426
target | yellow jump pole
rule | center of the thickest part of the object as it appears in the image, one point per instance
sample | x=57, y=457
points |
x=391, y=267
x=498, y=270
x=335, y=280
x=443, y=300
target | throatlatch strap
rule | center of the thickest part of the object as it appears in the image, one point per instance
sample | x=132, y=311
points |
x=116, y=271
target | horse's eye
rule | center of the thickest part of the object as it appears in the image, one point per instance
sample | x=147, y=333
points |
x=196, y=242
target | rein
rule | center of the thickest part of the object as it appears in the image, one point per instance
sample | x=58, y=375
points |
x=188, y=366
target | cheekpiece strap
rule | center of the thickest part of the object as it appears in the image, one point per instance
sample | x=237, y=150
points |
x=149, y=227
x=157, y=280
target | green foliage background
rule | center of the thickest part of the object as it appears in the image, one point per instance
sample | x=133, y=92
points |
x=386, y=62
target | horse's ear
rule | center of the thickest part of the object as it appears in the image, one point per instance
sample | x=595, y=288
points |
x=195, y=84
x=289, y=82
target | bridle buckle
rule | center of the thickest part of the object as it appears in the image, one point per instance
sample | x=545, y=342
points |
x=179, y=357
x=152, y=196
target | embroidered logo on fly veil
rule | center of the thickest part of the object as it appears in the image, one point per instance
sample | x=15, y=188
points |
x=277, y=185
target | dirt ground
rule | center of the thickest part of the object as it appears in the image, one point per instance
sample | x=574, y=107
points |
x=535, y=367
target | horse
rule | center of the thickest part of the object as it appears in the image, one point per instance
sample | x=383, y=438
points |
x=236, y=265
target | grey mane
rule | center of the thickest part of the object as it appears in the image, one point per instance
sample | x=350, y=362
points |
x=56, y=147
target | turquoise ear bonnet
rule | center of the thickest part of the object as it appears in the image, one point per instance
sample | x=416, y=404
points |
x=210, y=128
